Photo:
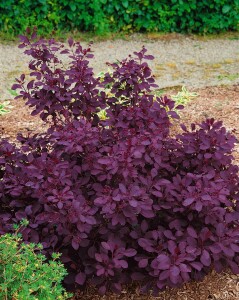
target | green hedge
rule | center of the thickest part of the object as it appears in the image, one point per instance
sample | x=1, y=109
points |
x=199, y=16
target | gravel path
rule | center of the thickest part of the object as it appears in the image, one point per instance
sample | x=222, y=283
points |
x=178, y=61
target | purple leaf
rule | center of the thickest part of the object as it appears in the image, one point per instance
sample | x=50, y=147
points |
x=192, y=232
x=205, y=258
x=188, y=201
x=143, y=263
x=80, y=278
x=133, y=203
x=122, y=188
x=106, y=246
x=198, y=206
x=215, y=248
x=16, y=86
x=220, y=229
x=144, y=243
x=174, y=274
x=98, y=257
x=197, y=265
x=185, y=268
x=123, y=264
x=149, y=57
x=130, y=252
x=234, y=247
x=163, y=262
x=206, y=197
x=174, y=271
x=227, y=251
x=164, y=275
x=70, y=42
x=75, y=244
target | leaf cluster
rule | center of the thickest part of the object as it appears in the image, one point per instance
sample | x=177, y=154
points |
x=184, y=96
x=25, y=274
x=4, y=107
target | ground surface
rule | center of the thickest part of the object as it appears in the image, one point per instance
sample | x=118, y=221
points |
x=179, y=60
x=198, y=65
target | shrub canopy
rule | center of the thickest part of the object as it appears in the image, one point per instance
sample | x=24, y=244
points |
x=121, y=198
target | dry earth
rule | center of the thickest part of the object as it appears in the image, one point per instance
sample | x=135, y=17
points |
x=203, y=66
x=179, y=60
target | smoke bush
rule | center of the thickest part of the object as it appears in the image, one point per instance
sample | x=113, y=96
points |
x=121, y=198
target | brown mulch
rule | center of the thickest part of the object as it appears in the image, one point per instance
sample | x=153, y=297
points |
x=224, y=286
x=221, y=103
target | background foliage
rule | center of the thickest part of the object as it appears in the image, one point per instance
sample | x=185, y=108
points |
x=102, y=16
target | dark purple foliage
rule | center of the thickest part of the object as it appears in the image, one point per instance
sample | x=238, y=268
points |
x=121, y=199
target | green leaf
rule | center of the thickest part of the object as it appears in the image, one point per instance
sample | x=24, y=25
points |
x=226, y=9
x=72, y=6
x=125, y=3
x=27, y=274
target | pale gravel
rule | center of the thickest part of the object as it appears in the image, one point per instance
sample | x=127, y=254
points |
x=188, y=61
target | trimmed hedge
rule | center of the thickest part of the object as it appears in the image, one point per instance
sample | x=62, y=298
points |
x=113, y=15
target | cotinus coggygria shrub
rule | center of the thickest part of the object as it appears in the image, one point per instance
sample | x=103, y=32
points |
x=121, y=199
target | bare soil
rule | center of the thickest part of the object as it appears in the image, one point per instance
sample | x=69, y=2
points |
x=179, y=59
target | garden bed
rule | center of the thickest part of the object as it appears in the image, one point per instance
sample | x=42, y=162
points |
x=207, y=64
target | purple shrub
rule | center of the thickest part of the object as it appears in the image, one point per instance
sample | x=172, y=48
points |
x=121, y=199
